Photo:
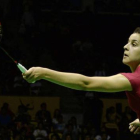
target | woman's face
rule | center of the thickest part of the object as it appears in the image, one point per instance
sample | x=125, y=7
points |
x=131, y=55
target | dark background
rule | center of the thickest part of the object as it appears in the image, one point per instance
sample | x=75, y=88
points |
x=56, y=26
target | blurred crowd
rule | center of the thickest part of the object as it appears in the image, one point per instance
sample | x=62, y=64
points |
x=44, y=126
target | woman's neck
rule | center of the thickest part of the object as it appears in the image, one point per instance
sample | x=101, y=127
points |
x=134, y=68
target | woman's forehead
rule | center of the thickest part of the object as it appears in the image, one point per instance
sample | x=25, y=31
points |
x=134, y=36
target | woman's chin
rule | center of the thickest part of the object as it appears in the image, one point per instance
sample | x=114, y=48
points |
x=125, y=62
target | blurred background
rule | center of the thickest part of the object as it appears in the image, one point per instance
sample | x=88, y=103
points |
x=80, y=36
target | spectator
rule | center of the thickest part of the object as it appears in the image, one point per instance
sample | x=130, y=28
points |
x=22, y=115
x=111, y=125
x=93, y=104
x=76, y=127
x=128, y=114
x=100, y=71
x=127, y=117
x=22, y=134
x=98, y=137
x=22, y=30
x=28, y=20
x=59, y=127
x=44, y=116
x=56, y=114
x=112, y=116
x=9, y=111
x=69, y=133
x=87, y=137
x=35, y=88
x=54, y=136
x=87, y=49
x=4, y=133
x=93, y=132
x=26, y=107
x=18, y=85
x=68, y=136
x=5, y=118
x=40, y=133
x=105, y=136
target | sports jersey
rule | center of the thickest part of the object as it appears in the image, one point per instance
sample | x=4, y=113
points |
x=134, y=95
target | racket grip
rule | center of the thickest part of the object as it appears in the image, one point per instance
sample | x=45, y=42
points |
x=22, y=69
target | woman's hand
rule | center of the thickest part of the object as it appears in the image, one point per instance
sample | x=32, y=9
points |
x=135, y=126
x=33, y=74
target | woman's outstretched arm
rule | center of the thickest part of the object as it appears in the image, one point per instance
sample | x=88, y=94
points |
x=76, y=81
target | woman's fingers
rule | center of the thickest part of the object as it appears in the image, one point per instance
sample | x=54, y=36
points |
x=130, y=126
x=137, y=131
x=133, y=128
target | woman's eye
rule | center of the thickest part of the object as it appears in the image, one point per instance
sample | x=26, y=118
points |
x=134, y=44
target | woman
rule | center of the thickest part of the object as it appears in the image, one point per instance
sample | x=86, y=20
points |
x=128, y=82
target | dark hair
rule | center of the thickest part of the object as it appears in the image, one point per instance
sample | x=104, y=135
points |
x=55, y=115
x=43, y=104
x=137, y=30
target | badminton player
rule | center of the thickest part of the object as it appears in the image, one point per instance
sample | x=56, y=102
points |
x=128, y=82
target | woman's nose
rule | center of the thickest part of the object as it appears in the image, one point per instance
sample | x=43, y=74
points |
x=126, y=47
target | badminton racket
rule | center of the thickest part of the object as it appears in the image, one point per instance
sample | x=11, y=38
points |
x=20, y=66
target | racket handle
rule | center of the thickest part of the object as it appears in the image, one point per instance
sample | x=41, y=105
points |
x=22, y=69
